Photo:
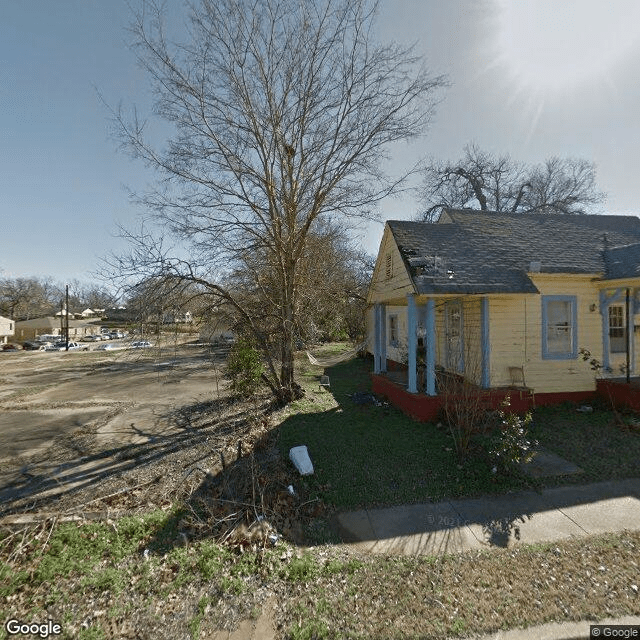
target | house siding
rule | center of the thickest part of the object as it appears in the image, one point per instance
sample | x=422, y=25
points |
x=31, y=329
x=516, y=336
x=7, y=328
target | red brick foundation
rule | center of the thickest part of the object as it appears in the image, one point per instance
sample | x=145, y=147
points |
x=620, y=394
x=426, y=408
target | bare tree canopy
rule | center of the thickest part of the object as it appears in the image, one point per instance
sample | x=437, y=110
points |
x=26, y=298
x=332, y=278
x=282, y=112
x=482, y=180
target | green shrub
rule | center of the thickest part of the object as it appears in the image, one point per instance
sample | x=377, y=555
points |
x=245, y=367
x=510, y=442
x=302, y=569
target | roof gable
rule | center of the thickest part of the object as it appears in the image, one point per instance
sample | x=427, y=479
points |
x=50, y=322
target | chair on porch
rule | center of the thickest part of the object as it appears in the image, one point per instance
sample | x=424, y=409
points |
x=518, y=382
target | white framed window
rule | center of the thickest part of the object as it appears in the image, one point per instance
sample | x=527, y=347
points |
x=617, y=329
x=559, y=327
x=393, y=330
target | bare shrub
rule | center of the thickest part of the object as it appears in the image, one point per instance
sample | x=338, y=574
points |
x=464, y=402
x=464, y=410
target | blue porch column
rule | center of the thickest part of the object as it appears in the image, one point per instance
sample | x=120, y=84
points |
x=630, y=331
x=383, y=338
x=412, y=343
x=485, y=343
x=430, y=347
x=376, y=338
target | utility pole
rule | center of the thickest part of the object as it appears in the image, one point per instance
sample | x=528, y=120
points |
x=66, y=295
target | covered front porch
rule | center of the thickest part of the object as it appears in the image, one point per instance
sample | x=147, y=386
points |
x=434, y=348
x=421, y=334
x=619, y=308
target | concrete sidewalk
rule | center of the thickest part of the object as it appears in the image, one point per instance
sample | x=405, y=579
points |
x=495, y=521
x=559, y=630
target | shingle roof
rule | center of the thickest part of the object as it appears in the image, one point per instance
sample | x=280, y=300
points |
x=623, y=262
x=488, y=252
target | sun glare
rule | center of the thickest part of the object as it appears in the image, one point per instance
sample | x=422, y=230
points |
x=556, y=45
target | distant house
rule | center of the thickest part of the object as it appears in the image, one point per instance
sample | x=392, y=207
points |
x=50, y=325
x=120, y=314
x=7, y=329
x=89, y=313
x=504, y=300
x=177, y=317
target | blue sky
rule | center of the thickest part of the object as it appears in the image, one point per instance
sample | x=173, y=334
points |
x=532, y=78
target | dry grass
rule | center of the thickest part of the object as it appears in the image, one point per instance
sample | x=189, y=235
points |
x=479, y=592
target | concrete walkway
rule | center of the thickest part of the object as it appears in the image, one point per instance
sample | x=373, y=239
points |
x=495, y=521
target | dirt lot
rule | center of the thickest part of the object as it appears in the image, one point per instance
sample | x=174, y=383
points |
x=70, y=420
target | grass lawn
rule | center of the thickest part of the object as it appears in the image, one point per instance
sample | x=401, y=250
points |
x=127, y=579
x=368, y=456
x=593, y=441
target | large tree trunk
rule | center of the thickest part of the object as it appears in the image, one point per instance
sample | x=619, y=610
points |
x=289, y=389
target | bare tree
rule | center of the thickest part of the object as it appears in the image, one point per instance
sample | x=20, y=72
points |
x=485, y=181
x=334, y=280
x=332, y=276
x=24, y=298
x=562, y=185
x=282, y=111
x=97, y=297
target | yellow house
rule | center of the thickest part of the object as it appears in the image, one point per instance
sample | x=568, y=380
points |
x=507, y=299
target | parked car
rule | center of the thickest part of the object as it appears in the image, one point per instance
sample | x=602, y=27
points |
x=107, y=346
x=9, y=347
x=141, y=344
x=91, y=338
x=62, y=346
x=32, y=346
